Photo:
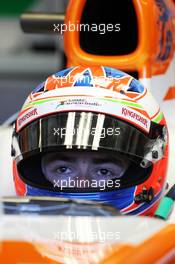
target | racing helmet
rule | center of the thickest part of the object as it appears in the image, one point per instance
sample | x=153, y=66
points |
x=80, y=100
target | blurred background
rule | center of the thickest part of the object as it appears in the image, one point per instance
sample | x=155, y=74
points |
x=25, y=59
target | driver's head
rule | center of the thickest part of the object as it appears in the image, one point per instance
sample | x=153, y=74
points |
x=92, y=133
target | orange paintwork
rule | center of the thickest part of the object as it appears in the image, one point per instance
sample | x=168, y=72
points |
x=143, y=59
x=161, y=246
x=15, y=252
x=170, y=94
x=53, y=82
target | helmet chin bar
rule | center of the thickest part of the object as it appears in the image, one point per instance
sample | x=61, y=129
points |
x=157, y=150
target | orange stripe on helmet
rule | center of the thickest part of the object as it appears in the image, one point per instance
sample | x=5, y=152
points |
x=170, y=94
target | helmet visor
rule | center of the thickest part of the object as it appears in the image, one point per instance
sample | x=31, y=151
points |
x=85, y=131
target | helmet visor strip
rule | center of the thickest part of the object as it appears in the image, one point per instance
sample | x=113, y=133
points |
x=90, y=131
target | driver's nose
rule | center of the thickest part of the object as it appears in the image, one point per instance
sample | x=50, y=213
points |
x=83, y=166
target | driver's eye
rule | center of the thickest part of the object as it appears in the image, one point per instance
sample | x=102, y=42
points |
x=104, y=172
x=63, y=169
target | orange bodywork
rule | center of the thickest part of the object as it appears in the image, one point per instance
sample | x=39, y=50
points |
x=16, y=252
x=160, y=247
x=143, y=59
x=13, y=252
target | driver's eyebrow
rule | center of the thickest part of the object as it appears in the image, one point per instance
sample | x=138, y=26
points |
x=62, y=158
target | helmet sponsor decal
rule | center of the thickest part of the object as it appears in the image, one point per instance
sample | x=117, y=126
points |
x=133, y=115
x=90, y=104
x=26, y=116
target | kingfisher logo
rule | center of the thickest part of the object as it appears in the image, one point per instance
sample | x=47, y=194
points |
x=135, y=116
x=27, y=116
